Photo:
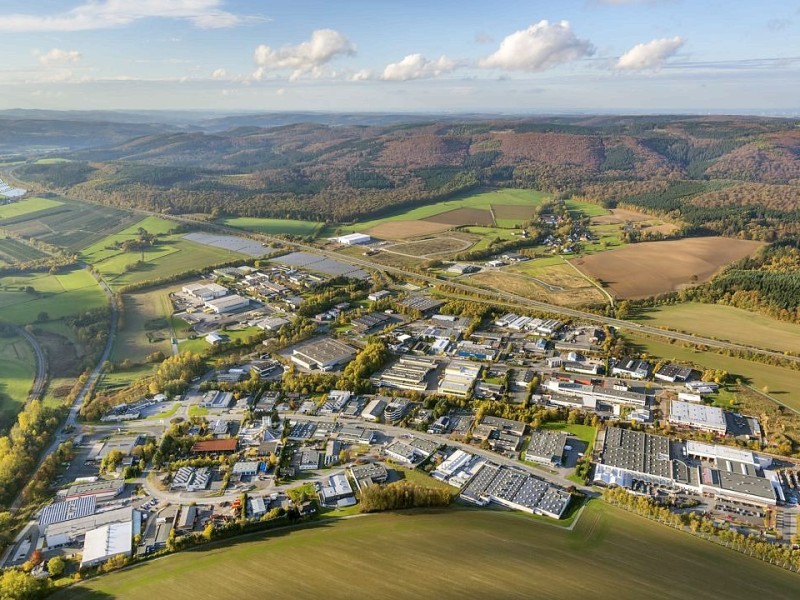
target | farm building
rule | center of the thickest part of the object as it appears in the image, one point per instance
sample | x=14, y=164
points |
x=462, y=269
x=228, y=303
x=323, y=354
x=354, y=239
x=214, y=338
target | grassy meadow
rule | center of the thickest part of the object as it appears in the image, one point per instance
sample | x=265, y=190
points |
x=781, y=383
x=450, y=554
x=26, y=206
x=59, y=295
x=274, y=226
x=17, y=370
x=725, y=323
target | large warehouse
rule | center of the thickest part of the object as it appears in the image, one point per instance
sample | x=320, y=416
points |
x=106, y=542
x=353, y=239
x=228, y=303
x=323, y=354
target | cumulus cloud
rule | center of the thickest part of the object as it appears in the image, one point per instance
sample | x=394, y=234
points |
x=219, y=74
x=103, y=14
x=305, y=58
x=541, y=46
x=58, y=57
x=416, y=66
x=362, y=75
x=649, y=56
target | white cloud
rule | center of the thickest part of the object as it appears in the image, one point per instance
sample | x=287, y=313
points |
x=57, y=56
x=416, y=66
x=541, y=46
x=650, y=55
x=219, y=74
x=362, y=75
x=305, y=58
x=103, y=14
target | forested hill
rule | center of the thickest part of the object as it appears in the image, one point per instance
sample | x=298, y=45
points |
x=720, y=174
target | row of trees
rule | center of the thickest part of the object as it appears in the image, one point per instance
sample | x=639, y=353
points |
x=752, y=545
x=402, y=494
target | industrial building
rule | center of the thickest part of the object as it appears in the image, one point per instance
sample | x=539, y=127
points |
x=374, y=410
x=517, y=490
x=697, y=416
x=58, y=512
x=324, y=354
x=672, y=373
x=354, y=239
x=205, y=291
x=337, y=491
x=71, y=531
x=458, y=468
x=547, y=447
x=631, y=367
x=696, y=467
x=410, y=452
x=102, y=489
x=105, y=542
x=459, y=378
x=227, y=304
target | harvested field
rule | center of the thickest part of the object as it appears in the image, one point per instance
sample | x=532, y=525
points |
x=620, y=215
x=400, y=230
x=463, y=216
x=512, y=212
x=651, y=268
x=430, y=246
x=665, y=228
x=554, y=284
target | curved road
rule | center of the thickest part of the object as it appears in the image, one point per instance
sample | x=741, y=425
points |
x=40, y=379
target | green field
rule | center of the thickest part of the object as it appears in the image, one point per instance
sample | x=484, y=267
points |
x=26, y=206
x=52, y=161
x=726, y=323
x=585, y=433
x=274, y=226
x=68, y=224
x=200, y=345
x=145, y=326
x=453, y=554
x=481, y=200
x=781, y=383
x=588, y=209
x=59, y=295
x=170, y=256
x=17, y=370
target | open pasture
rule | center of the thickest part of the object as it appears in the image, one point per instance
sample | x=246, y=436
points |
x=725, y=323
x=146, y=325
x=463, y=216
x=26, y=207
x=442, y=554
x=61, y=295
x=651, y=268
x=17, y=370
x=171, y=255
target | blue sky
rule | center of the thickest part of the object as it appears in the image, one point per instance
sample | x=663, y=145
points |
x=381, y=55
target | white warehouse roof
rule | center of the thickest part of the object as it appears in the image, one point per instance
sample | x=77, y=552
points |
x=109, y=540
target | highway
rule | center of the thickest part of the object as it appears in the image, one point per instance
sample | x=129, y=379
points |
x=40, y=379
